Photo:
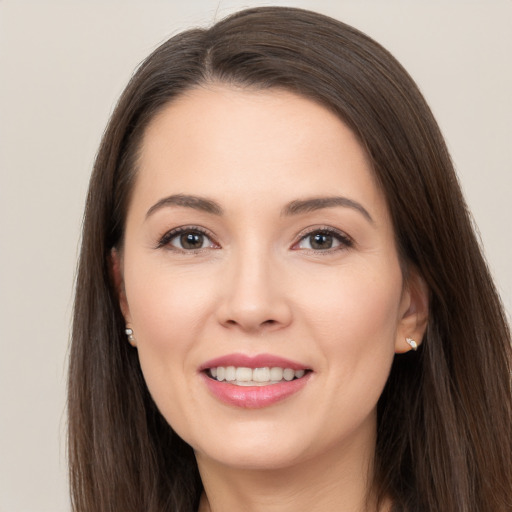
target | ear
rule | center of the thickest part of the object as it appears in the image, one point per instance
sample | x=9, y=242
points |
x=414, y=308
x=116, y=271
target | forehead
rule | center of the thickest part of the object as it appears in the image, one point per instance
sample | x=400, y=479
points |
x=230, y=142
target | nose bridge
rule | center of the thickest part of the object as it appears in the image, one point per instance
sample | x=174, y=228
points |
x=254, y=297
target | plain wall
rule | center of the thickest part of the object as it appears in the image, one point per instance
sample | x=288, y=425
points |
x=62, y=67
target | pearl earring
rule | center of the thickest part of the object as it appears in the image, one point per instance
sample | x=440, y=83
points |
x=412, y=344
x=131, y=338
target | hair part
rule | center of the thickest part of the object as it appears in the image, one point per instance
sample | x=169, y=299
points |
x=444, y=417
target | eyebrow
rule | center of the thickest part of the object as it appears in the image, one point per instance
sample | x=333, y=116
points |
x=318, y=203
x=187, y=201
x=296, y=207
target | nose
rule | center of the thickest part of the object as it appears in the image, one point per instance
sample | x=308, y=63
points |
x=254, y=295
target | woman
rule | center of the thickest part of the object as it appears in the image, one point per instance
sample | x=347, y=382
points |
x=280, y=300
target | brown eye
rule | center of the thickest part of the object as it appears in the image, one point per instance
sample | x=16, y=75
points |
x=320, y=241
x=189, y=240
x=323, y=240
x=192, y=240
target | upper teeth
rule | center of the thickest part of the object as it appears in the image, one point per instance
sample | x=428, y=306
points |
x=254, y=376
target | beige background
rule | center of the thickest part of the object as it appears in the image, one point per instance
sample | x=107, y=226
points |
x=62, y=66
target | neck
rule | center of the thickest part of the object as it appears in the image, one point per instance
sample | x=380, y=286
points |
x=339, y=481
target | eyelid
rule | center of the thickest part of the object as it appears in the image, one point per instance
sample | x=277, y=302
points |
x=345, y=240
x=165, y=239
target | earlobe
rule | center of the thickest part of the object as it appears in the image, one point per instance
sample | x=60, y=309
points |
x=414, y=314
x=116, y=272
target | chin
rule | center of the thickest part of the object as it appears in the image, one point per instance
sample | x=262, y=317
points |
x=253, y=458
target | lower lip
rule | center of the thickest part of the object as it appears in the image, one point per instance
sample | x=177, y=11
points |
x=254, y=397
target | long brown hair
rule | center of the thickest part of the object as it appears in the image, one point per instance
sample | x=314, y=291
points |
x=444, y=418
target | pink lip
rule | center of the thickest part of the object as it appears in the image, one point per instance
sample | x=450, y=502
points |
x=258, y=361
x=253, y=397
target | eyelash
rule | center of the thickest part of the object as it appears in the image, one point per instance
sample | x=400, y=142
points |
x=345, y=242
x=165, y=241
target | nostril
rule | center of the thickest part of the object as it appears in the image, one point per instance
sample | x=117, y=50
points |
x=264, y=323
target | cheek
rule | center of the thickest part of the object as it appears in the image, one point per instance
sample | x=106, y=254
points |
x=356, y=332
x=355, y=305
x=168, y=313
x=355, y=321
x=167, y=316
x=166, y=307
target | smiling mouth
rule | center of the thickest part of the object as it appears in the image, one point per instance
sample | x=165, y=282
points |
x=244, y=376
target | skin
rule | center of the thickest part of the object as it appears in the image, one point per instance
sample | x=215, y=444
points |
x=257, y=286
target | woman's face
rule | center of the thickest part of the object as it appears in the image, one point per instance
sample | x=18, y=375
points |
x=256, y=237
